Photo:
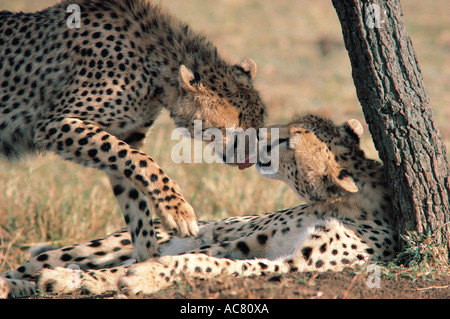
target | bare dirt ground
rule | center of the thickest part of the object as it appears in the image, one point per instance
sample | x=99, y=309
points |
x=309, y=285
x=328, y=285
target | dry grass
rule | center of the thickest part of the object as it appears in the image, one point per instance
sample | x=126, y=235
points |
x=303, y=67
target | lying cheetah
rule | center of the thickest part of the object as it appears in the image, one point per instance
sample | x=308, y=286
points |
x=347, y=221
x=91, y=93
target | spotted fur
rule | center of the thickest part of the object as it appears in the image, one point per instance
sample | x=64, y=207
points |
x=90, y=95
x=346, y=222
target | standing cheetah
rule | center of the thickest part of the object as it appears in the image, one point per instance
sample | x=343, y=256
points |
x=347, y=220
x=90, y=95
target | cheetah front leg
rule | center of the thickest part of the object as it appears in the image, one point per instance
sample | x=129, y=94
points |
x=124, y=190
x=136, y=212
x=133, y=175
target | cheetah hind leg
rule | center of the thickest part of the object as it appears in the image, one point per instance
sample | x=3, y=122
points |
x=73, y=281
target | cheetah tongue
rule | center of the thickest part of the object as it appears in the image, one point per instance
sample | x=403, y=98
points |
x=248, y=162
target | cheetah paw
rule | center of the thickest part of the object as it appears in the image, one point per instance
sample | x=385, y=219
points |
x=144, y=279
x=16, y=288
x=180, y=218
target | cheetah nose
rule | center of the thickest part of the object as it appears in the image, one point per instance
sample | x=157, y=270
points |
x=248, y=162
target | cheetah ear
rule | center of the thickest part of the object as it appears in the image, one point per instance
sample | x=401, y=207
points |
x=188, y=78
x=356, y=127
x=345, y=182
x=249, y=66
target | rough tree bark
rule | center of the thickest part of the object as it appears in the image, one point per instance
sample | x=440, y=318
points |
x=395, y=104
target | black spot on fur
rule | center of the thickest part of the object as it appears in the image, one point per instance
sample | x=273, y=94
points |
x=262, y=239
x=143, y=164
x=125, y=242
x=42, y=257
x=133, y=194
x=95, y=243
x=66, y=257
x=118, y=189
x=242, y=246
x=306, y=252
x=122, y=153
x=262, y=265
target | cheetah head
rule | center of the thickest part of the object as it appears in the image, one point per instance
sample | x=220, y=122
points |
x=315, y=156
x=224, y=100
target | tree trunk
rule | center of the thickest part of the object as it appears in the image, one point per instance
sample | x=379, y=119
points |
x=391, y=91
